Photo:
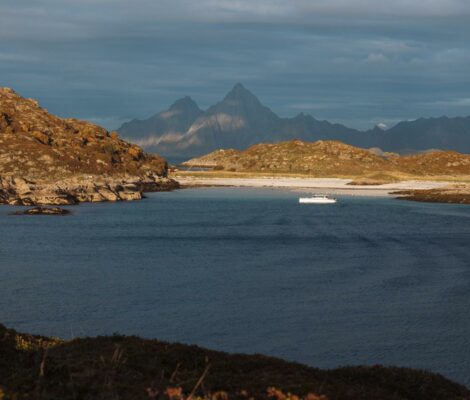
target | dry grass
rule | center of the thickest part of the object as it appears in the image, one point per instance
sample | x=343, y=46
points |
x=37, y=145
x=331, y=159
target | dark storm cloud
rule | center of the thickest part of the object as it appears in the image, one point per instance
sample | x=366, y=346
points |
x=360, y=62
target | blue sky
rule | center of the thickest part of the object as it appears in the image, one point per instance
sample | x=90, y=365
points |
x=358, y=62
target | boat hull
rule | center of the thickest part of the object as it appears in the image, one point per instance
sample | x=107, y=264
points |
x=313, y=200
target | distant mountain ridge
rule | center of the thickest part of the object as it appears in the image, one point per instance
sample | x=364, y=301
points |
x=241, y=120
x=429, y=133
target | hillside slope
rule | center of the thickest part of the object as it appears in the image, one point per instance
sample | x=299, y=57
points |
x=332, y=158
x=120, y=367
x=45, y=159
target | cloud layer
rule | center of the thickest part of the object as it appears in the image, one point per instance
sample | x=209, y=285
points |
x=360, y=62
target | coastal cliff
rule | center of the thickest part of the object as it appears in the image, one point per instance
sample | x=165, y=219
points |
x=45, y=159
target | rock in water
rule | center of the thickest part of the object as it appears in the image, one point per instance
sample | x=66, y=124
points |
x=43, y=211
x=48, y=160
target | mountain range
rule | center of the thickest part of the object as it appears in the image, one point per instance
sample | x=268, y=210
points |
x=241, y=120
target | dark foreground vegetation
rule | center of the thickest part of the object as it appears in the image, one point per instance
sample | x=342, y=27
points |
x=120, y=367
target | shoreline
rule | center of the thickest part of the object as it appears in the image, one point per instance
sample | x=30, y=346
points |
x=312, y=185
x=81, y=188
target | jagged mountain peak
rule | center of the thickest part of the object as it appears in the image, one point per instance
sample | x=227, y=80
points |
x=177, y=118
x=241, y=95
x=239, y=89
x=185, y=103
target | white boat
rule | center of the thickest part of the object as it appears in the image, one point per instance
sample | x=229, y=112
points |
x=317, y=199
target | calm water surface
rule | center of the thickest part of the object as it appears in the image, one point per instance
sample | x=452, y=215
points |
x=364, y=281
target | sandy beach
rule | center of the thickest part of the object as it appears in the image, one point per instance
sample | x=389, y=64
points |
x=314, y=185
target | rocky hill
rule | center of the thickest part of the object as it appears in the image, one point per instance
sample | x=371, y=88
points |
x=45, y=159
x=130, y=368
x=319, y=158
x=332, y=158
x=241, y=120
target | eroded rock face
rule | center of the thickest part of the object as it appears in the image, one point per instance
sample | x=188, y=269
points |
x=49, y=160
x=77, y=189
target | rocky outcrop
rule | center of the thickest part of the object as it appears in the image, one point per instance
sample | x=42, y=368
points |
x=457, y=194
x=45, y=159
x=77, y=189
x=43, y=211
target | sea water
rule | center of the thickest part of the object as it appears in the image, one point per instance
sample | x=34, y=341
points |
x=364, y=281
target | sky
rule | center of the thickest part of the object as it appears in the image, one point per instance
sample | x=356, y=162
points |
x=359, y=62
